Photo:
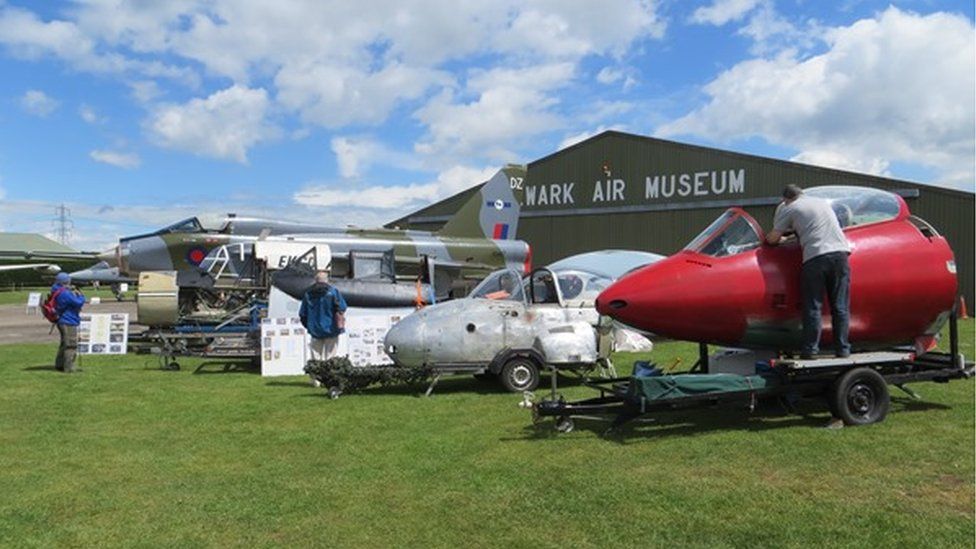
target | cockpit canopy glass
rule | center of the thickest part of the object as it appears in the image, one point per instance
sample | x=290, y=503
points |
x=730, y=234
x=858, y=205
x=190, y=225
x=503, y=285
x=574, y=286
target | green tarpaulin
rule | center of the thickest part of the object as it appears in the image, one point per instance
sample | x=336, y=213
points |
x=668, y=387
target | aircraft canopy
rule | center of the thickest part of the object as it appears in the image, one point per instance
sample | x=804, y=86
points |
x=859, y=205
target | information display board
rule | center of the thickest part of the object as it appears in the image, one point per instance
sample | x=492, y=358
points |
x=285, y=343
x=365, y=330
x=103, y=334
x=284, y=347
x=33, y=302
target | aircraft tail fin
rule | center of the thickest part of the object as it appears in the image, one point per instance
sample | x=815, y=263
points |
x=493, y=211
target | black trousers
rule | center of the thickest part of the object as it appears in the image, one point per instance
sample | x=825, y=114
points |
x=831, y=273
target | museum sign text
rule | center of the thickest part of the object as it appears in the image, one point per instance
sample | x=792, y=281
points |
x=655, y=188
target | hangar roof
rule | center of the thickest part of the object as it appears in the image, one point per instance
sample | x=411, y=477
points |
x=448, y=206
x=29, y=242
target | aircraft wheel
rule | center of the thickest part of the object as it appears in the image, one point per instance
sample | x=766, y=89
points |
x=520, y=374
x=860, y=397
x=173, y=366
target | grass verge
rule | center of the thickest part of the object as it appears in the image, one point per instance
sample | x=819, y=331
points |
x=125, y=454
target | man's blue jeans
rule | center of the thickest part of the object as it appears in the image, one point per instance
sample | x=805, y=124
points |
x=831, y=273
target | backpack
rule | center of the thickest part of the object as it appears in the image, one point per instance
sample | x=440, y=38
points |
x=338, y=317
x=50, y=307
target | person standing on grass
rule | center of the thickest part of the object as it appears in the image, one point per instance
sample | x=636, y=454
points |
x=323, y=315
x=68, y=303
x=825, y=265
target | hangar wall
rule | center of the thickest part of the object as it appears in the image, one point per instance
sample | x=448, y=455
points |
x=618, y=190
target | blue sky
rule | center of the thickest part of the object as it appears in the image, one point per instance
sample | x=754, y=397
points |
x=136, y=115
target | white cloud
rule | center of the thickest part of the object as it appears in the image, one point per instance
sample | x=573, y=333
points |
x=770, y=31
x=367, y=197
x=721, y=12
x=88, y=114
x=571, y=140
x=354, y=156
x=895, y=88
x=334, y=96
x=38, y=103
x=399, y=198
x=145, y=91
x=611, y=75
x=336, y=64
x=511, y=106
x=224, y=125
x=841, y=161
x=118, y=159
x=27, y=36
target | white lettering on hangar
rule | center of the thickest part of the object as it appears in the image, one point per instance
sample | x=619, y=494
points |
x=705, y=183
x=695, y=184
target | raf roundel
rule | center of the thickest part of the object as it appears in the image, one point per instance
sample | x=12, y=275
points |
x=196, y=256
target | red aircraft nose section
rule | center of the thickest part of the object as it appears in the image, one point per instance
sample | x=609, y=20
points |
x=686, y=296
x=726, y=288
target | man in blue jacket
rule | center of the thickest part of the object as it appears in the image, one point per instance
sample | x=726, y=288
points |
x=69, y=302
x=322, y=314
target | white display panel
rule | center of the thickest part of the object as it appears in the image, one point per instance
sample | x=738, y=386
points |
x=282, y=336
x=103, y=334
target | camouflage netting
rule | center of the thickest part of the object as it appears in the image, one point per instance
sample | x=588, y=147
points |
x=339, y=373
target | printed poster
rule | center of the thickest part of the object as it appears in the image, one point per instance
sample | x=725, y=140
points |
x=103, y=334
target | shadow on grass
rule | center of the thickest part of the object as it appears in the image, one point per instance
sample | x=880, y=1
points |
x=444, y=386
x=447, y=385
x=40, y=368
x=306, y=384
x=227, y=367
x=723, y=417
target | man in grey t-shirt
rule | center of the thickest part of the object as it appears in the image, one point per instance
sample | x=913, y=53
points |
x=825, y=265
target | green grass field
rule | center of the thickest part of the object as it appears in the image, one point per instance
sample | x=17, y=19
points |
x=125, y=454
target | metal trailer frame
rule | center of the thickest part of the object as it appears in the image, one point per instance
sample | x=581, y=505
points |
x=222, y=347
x=803, y=378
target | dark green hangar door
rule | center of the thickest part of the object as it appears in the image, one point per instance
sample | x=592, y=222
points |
x=619, y=190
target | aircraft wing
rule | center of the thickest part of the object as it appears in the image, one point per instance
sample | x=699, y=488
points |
x=48, y=267
x=29, y=255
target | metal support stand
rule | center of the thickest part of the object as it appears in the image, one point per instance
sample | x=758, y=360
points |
x=954, y=338
x=552, y=377
x=433, y=382
x=702, y=365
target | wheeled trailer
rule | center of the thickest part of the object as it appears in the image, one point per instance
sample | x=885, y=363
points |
x=221, y=347
x=855, y=387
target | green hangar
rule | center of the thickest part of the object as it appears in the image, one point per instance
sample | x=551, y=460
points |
x=618, y=190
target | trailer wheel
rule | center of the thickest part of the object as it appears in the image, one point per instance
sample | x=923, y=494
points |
x=860, y=397
x=565, y=424
x=520, y=374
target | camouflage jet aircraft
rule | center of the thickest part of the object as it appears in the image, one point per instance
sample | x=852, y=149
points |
x=477, y=240
x=216, y=272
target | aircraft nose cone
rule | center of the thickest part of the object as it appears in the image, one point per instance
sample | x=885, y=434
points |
x=406, y=342
x=641, y=299
x=110, y=256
